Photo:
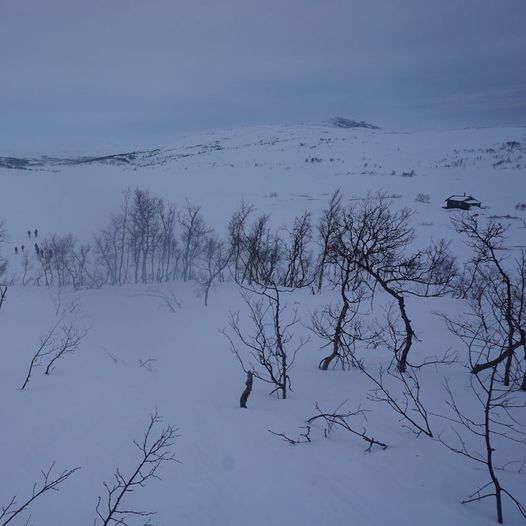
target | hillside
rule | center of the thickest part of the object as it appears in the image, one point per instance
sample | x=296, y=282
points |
x=149, y=347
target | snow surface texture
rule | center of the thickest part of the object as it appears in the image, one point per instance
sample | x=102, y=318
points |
x=232, y=471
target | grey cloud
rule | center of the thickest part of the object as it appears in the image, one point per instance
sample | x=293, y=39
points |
x=100, y=69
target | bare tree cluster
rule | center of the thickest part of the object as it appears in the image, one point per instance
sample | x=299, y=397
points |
x=139, y=244
x=366, y=252
x=376, y=241
x=63, y=263
x=147, y=241
x=257, y=251
x=262, y=256
x=494, y=288
x=492, y=331
x=152, y=241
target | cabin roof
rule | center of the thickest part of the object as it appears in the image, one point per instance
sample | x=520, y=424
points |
x=463, y=199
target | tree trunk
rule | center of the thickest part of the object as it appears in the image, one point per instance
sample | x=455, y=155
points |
x=336, y=341
x=492, y=363
x=247, y=391
x=490, y=450
x=409, y=333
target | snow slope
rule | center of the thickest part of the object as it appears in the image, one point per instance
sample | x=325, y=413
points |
x=232, y=471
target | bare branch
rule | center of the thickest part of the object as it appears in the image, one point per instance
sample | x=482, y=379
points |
x=49, y=482
x=154, y=450
x=332, y=420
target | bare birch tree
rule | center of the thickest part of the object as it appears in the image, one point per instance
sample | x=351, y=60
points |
x=269, y=342
x=377, y=239
x=327, y=228
x=213, y=262
x=193, y=232
x=495, y=289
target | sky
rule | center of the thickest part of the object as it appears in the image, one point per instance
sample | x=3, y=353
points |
x=75, y=73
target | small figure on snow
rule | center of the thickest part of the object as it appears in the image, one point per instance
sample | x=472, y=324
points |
x=36, y=232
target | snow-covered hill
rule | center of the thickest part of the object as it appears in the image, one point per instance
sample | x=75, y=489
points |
x=140, y=356
x=280, y=169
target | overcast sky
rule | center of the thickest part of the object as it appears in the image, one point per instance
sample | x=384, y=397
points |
x=79, y=72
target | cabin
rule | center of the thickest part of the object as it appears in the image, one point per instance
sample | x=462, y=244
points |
x=464, y=202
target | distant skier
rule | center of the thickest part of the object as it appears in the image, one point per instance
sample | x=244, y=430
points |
x=16, y=250
x=37, y=249
x=29, y=234
x=36, y=232
x=22, y=247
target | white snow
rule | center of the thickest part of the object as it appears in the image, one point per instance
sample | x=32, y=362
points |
x=232, y=471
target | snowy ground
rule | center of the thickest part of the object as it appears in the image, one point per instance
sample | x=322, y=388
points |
x=232, y=471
